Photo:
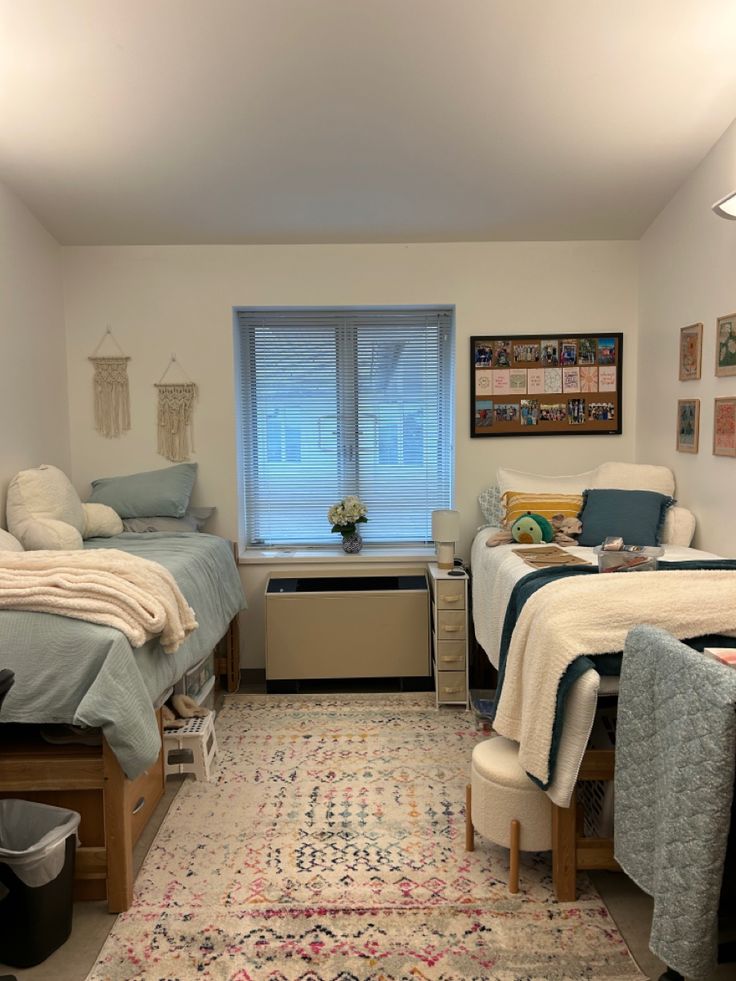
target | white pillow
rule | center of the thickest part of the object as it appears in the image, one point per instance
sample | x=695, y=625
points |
x=536, y=483
x=634, y=476
x=43, y=511
x=100, y=521
x=678, y=527
x=9, y=543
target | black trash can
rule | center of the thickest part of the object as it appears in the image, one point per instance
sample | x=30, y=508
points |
x=37, y=849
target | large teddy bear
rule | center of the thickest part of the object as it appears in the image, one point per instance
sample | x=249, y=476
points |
x=43, y=511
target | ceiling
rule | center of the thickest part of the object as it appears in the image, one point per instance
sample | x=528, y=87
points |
x=289, y=121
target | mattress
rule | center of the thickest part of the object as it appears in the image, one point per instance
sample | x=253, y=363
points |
x=495, y=572
x=71, y=671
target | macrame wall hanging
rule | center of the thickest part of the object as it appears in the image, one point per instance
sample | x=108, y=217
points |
x=175, y=411
x=111, y=392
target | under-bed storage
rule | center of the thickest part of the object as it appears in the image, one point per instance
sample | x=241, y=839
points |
x=87, y=779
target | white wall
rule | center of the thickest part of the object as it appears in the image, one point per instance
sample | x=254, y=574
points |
x=160, y=300
x=688, y=275
x=34, y=424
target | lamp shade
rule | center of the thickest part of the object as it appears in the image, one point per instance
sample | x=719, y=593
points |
x=445, y=526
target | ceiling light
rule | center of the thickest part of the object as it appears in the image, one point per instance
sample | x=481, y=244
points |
x=726, y=207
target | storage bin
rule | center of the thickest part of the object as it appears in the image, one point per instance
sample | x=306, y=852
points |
x=37, y=851
x=643, y=559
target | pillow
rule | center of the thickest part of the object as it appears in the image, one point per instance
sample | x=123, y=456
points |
x=548, y=505
x=161, y=492
x=636, y=515
x=634, y=476
x=193, y=520
x=491, y=506
x=9, y=543
x=100, y=521
x=44, y=511
x=679, y=526
x=534, y=483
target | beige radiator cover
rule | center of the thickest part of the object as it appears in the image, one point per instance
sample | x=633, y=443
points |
x=372, y=634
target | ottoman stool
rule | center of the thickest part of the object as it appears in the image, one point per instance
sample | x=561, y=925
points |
x=504, y=805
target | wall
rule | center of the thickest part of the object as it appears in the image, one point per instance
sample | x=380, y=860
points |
x=179, y=299
x=33, y=396
x=688, y=258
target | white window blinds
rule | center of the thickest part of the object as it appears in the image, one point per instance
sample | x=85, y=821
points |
x=344, y=401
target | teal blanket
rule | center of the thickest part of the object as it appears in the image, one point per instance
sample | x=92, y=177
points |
x=71, y=671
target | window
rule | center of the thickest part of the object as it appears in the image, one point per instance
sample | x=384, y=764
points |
x=344, y=401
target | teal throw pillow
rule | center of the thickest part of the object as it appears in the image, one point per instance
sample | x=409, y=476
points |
x=636, y=516
x=163, y=492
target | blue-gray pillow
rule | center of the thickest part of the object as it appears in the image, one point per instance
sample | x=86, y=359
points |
x=161, y=492
x=636, y=515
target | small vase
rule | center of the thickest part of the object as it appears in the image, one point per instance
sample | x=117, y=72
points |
x=351, y=542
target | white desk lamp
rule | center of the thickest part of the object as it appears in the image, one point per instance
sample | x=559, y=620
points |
x=445, y=532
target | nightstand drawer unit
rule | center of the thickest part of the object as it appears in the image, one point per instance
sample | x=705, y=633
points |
x=449, y=636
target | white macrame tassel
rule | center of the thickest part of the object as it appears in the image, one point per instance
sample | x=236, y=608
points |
x=175, y=411
x=112, y=396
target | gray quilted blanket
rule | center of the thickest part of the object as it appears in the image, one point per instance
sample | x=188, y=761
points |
x=675, y=752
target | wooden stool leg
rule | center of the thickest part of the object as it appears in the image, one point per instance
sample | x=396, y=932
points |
x=564, y=859
x=514, y=857
x=469, y=837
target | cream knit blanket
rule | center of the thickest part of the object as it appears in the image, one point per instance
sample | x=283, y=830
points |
x=111, y=587
x=592, y=615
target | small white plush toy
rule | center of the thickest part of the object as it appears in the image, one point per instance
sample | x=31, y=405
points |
x=187, y=708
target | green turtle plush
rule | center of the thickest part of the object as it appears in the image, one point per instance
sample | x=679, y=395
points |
x=531, y=529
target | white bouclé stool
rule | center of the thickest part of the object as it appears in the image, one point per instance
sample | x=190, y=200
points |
x=191, y=749
x=504, y=805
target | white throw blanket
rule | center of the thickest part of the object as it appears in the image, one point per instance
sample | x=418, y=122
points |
x=111, y=587
x=592, y=615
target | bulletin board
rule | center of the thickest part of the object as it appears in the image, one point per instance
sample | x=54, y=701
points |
x=546, y=384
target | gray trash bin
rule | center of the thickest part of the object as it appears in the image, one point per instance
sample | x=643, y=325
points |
x=37, y=849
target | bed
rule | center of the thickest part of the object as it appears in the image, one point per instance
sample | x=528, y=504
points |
x=496, y=573
x=74, y=672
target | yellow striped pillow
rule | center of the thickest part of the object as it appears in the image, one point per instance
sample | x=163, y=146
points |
x=517, y=503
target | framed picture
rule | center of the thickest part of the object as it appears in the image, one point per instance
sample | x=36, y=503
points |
x=688, y=425
x=546, y=384
x=726, y=345
x=724, y=427
x=691, y=351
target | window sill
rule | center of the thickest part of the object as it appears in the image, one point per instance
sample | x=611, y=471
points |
x=331, y=556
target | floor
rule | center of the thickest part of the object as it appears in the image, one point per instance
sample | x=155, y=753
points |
x=629, y=906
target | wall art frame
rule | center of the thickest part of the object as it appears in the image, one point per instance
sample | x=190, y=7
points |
x=724, y=426
x=560, y=384
x=726, y=345
x=688, y=425
x=691, y=352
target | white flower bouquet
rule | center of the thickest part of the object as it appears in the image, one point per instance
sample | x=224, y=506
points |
x=346, y=514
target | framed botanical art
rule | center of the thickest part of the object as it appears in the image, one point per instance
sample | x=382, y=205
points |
x=726, y=345
x=724, y=427
x=688, y=425
x=691, y=351
x=545, y=384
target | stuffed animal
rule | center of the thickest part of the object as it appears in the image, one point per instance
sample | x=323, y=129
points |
x=187, y=708
x=565, y=531
x=531, y=529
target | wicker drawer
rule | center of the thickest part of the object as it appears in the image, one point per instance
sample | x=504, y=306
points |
x=450, y=595
x=450, y=655
x=451, y=686
x=451, y=624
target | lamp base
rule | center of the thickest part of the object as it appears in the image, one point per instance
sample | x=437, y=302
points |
x=445, y=555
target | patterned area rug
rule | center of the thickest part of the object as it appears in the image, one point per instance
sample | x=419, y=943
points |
x=331, y=848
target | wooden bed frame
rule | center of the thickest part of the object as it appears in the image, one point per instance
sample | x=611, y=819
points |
x=88, y=779
x=572, y=851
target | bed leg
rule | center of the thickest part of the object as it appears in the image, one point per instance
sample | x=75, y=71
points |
x=233, y=654
x=469, y=836
x=118, y=834
x=564, y=864
x=514, y=836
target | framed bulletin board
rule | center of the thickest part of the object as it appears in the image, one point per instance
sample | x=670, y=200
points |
x=546, y=384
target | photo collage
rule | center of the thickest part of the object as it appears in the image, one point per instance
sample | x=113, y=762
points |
x=535, y=385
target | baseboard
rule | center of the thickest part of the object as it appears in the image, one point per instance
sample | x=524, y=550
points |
x=327, y=685
x=253, y=676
